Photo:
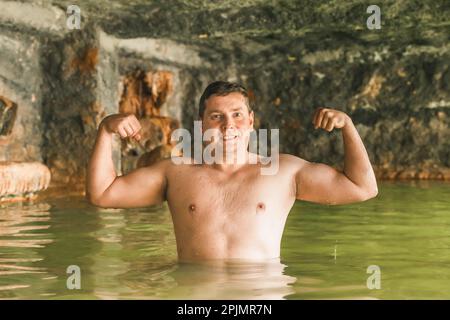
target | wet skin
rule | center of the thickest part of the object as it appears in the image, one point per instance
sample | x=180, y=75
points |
x=229, y=210
x=238, y=215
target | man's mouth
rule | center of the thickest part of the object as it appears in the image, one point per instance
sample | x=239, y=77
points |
x=230, y=137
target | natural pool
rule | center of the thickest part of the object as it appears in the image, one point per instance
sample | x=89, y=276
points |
x=131, y=254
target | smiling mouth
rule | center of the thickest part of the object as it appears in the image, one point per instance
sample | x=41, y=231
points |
x=230, y=137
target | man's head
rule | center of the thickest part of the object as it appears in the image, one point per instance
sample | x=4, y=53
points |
x=221, y=88
x=225, y=106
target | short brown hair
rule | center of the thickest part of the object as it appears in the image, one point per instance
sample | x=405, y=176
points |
x=221, y=88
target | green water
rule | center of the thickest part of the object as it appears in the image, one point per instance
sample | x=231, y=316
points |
x=131, y=254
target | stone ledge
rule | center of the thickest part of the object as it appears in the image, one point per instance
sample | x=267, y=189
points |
x=22, y=180
x=46, y=18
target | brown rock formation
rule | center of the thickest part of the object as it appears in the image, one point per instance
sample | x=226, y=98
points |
x=8, y=111
x=86, y=62
x=145, y=92
x=20, y=180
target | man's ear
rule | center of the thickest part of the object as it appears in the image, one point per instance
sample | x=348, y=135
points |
x=252, y=119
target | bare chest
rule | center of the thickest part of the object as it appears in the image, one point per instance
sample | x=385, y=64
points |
x=237, y=216
x=203, y=197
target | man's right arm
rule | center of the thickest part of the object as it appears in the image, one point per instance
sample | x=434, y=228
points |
x=139, y=188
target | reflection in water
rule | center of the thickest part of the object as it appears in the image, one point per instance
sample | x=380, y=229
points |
x=121, y=253
x=213, y=280
x=108, y=264
x=18, y=244
x=231, y=280
x=131, y=254
x=13, y=223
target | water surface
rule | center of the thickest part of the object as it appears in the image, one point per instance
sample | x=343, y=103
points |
x=326, y=250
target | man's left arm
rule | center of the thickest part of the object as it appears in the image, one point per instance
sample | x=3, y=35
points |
x=323, y=184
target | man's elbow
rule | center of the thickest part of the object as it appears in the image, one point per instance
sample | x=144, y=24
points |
x=96, y=201
x=91, y=199
x=370, y=193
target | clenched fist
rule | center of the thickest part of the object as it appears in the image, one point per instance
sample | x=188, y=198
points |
x=125, y=125
x=328, y=119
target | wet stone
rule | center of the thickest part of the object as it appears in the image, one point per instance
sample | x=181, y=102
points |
x=20, y=178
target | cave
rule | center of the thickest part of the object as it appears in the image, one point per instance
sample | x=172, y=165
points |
x=154, y=59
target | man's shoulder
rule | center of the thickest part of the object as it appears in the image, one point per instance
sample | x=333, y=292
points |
x=291, y=163
x=291, y=159
x=165, y=168
x=178, y=163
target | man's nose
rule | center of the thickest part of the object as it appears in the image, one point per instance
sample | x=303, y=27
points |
x=228, y=123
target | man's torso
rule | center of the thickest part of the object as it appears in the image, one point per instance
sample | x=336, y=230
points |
x=237, y=216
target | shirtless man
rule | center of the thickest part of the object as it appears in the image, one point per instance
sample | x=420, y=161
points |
x=229, y=210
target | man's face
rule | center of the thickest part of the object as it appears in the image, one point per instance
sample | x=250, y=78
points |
x=230, y=118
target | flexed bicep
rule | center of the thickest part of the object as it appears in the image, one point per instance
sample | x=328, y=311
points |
x=324, y=184
x=139, y=188
x=320, y=183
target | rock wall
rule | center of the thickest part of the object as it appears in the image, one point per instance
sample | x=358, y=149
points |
x=20, y=81
x=62, y=83
x=293, y=56
x=398, y=97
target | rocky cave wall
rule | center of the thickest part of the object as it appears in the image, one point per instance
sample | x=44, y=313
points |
x=397, y=96
x=20, y=81
x=61, y=83
x=293, y=57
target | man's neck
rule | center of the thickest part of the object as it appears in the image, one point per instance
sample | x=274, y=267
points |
x=231, y=162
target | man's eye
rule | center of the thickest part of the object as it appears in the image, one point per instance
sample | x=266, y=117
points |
x=237, y=114
x=216, y=116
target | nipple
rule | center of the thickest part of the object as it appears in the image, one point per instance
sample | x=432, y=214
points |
x=260, y=207
x=192, y=208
